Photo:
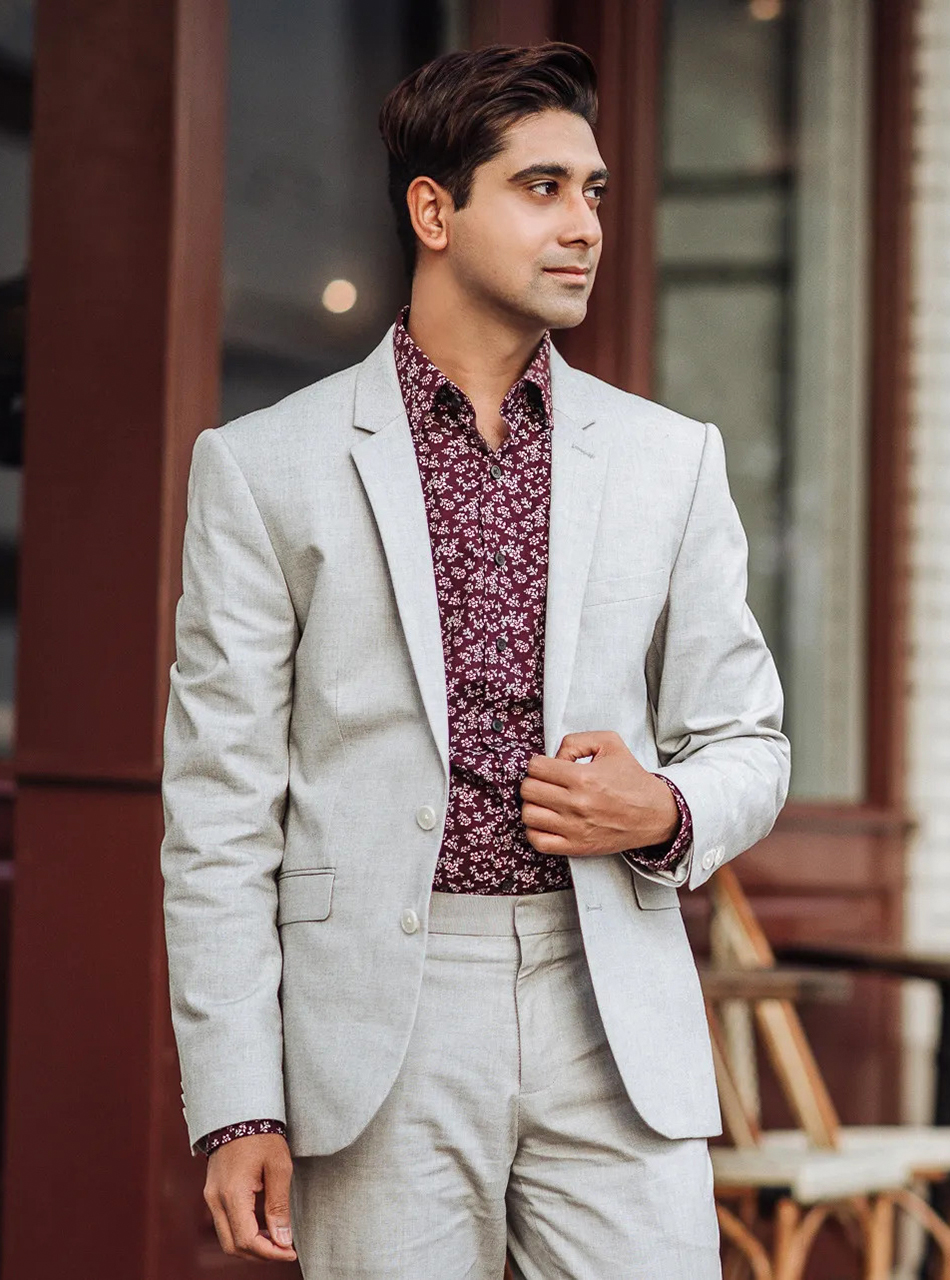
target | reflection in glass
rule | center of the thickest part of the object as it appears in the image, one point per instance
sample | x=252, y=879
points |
x=761, y=327
x=313, y=276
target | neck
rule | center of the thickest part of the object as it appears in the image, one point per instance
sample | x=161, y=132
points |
x=480, y=349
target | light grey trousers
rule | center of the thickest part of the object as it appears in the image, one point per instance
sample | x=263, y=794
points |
x=508, y=1127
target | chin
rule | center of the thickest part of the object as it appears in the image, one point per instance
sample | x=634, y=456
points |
x=567, y=315
x=540, y=306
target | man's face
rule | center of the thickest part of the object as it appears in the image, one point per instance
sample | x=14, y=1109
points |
x=529, y=239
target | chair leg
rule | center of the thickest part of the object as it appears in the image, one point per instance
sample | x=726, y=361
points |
x=787, y=1218
x=938, y=1230
x=855, y=1218
x=738, y=1234
x=880, y=1252
x=795, y=1235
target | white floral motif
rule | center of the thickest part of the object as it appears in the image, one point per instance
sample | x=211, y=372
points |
x=492, y=612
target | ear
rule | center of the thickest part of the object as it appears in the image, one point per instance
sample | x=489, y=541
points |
x=429, y=205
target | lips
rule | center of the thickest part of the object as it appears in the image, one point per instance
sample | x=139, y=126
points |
x=580, y=272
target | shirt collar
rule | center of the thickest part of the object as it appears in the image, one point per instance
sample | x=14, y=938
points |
x=421, y=381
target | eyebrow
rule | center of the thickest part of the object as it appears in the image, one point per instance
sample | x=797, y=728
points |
x=552, y=169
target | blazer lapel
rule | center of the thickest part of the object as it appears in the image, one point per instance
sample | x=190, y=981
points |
x=578, y=471
x=386, y=461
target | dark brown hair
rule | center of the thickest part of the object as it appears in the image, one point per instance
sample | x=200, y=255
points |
x=450, y=116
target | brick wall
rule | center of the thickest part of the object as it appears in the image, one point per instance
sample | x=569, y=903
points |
x=928, y=866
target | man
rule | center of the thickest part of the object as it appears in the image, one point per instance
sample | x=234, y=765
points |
x=466, y=688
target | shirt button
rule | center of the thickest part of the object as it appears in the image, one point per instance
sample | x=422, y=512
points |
x=497, y=725
x=501, y=644
x=709, y=861
x=499, y=556
x=409, y=921
x=496, y=471
x=425, y=816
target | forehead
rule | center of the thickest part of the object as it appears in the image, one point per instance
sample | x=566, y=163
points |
x=557, y=136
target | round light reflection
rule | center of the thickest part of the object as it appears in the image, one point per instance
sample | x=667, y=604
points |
x=765, y=10
x=339, y=296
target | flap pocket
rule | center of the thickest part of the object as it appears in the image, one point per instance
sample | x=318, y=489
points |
x=629, y=586
x=652, y=896
x=304, y=895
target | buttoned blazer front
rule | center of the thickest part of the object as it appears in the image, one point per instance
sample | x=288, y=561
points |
x=306, y=740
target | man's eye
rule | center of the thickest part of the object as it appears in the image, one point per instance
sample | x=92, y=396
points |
x=597, y=192
x=548, y=182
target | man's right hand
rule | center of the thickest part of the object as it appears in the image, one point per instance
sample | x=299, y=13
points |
x=237, y=1172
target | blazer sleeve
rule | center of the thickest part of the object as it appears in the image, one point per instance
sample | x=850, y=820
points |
x=713, y=686
x=224, y=790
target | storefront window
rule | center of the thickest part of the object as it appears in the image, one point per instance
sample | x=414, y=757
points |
x=313, y=276
x=762, y=327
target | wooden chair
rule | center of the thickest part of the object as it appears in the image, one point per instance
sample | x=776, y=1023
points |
x=819, y=1170
x=926, y=1146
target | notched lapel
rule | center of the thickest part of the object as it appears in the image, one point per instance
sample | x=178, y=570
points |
x=578, y=472
x=386, y=461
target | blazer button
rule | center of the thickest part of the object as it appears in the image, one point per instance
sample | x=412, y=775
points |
x=409, y=921
x=426, y=817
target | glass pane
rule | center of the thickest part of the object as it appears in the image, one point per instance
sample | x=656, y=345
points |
x=701, y=327
x=16, y=51
x=725, y=107
x=761, y=327
x=306, y=201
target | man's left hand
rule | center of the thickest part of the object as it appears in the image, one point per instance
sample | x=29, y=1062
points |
x=608, y=804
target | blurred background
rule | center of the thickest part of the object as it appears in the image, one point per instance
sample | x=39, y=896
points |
x=193, y=223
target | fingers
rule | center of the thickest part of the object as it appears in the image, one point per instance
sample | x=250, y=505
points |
x=249, y=1240
x=576, y=747
x=544, y=793
x=277, y=1175
x=551, y=770
x=235, y=1176
x=592, y=742
x=545, y=842
x=541, y=819
x=222, y=1228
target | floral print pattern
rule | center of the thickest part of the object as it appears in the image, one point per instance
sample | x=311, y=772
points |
x=487, y=511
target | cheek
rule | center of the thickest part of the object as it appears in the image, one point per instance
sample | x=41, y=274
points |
x=500, y=247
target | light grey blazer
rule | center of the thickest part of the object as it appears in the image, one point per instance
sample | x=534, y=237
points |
x=306, y=740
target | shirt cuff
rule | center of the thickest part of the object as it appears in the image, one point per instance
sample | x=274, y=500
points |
x=246, y=1129
x=662, y=857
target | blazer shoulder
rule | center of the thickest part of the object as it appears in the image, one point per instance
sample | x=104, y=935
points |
x=639, y=413
x=278, y=428
x=645, y=424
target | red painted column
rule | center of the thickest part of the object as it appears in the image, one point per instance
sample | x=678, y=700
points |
x=123, y=346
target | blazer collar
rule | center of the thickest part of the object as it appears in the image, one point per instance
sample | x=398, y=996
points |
x=379, y=398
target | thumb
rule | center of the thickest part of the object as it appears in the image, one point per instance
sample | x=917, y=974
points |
x=277, y=1175
x=574, y=746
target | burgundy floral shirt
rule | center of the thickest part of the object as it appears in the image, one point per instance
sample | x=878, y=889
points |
x=487, y=512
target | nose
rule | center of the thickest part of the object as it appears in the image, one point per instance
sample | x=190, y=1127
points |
x=582, y=226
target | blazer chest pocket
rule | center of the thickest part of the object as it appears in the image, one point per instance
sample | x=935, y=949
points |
x=628, y=586
x=304, y=895
x=652, y=896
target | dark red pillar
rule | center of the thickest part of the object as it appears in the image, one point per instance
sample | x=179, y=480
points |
x=122, y=373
